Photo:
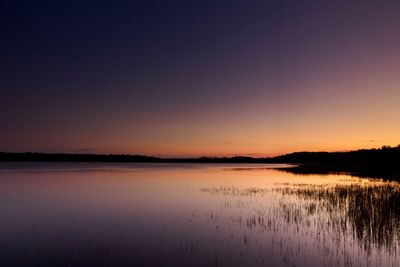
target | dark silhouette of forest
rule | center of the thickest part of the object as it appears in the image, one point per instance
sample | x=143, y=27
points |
x=60, y=157
x=382, y=162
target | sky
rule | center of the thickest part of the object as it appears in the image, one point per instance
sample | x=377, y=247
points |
x=194, y=78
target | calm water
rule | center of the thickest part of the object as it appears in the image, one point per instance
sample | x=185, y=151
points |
x=193, y=215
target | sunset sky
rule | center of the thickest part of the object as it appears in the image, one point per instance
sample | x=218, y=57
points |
x=193, y=78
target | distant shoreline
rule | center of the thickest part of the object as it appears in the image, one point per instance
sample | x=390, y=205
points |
x=65, y=157
x=377, y=163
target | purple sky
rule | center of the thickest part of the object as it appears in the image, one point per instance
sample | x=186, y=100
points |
x=183, y=78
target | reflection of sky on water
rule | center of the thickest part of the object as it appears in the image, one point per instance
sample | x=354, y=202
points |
x=202, y=215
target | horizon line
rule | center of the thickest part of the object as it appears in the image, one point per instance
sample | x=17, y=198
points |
x=196, y=157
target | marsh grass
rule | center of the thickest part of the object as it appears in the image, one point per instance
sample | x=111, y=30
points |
x=369, y=212
x=351, y=223
x=235, y=191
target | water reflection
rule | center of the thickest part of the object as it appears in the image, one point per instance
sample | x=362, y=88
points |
x=368, y=211
x=194, y=215
x=351, y=222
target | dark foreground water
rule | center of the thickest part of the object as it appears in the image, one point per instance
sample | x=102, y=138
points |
x=193, y=215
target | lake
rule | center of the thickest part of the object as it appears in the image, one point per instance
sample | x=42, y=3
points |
x=110, y=214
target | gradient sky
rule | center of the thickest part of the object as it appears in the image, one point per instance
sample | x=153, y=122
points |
x=191, y=78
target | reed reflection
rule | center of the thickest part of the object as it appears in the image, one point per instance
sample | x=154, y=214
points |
x=194, y=215
x=353, y=222
x=367, y=211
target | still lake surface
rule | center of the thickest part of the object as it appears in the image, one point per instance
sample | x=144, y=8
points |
x=90, y=214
